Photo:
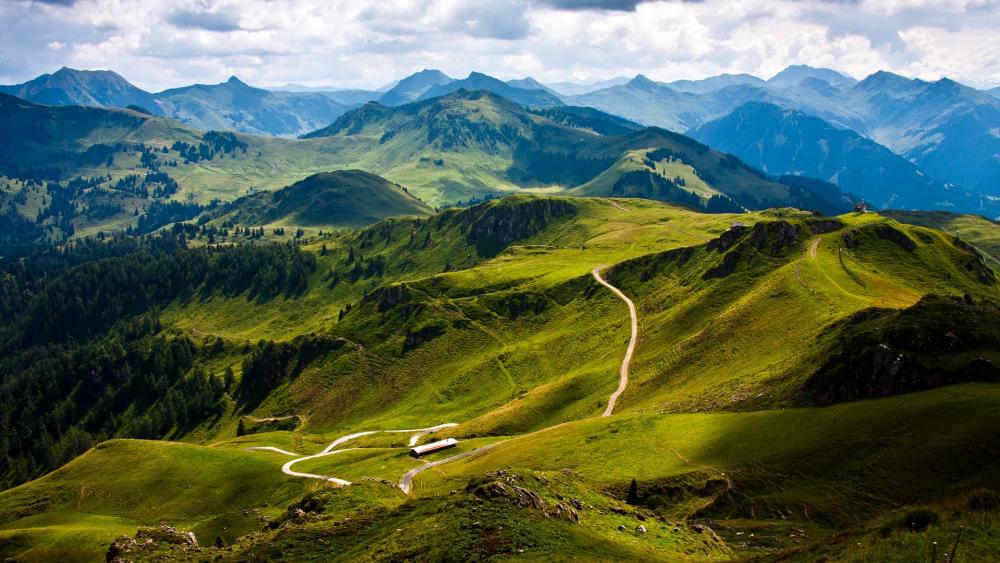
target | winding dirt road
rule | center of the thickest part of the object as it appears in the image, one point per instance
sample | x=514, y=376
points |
x=332, y=450
x=406, y=482
x=814, y=247
x=623, y=372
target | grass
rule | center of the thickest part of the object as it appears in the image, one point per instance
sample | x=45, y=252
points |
x=822, y=469
x=527, y=348
x=979, y=231
x=121, y=484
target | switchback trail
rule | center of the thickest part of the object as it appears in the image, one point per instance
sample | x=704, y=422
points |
x=623, y=372
x=332, y=450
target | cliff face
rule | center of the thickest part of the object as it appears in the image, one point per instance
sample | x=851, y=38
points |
x=491, y=227
x=938, y=341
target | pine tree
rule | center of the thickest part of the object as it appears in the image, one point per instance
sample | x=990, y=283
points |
x=228, y=378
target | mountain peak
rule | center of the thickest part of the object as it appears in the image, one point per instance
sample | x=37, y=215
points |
x=794, y=75
x=641, y=80
x=234, y=81
x=883, y=79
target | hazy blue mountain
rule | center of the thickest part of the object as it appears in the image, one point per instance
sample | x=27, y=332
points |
x=645, y=101
x=995, y=92
x=531, y=97
x=796, y=74
x=95, y=88
x=714, y=83
x=783, y=141
x=654, y=103
x=352, y=97
x=345, y=96
x=947, y=129
x=577, y=88
x=413, y=87
x=237, y=106
x=529, y=83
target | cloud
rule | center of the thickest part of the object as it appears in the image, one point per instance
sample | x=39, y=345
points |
x=617, y=5
x=208, y=21
x=349, y=43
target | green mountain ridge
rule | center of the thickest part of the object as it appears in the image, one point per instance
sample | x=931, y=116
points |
x=346, y=198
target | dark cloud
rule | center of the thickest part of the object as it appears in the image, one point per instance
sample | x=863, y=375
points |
x=55, y=2
x=209, y=21
x=615, y=5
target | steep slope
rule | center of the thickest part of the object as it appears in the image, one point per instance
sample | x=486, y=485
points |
x=236, y=106
x=346, y=198
x=37, y=136
x=663, y=165
x=947, y=129
x=529, y=83
x=413, y=87
x=781, y=282
x=943, y=127
x=976, y=230
x=789, y=142
x=96, y=88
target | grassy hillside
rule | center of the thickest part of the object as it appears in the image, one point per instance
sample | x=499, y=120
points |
x=976, y=230
x=347, y=198
x=835, y=482
x=489, y=317
x=76, y=511
x=721, y=318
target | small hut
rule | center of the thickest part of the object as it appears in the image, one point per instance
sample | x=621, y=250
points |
x=418, y=451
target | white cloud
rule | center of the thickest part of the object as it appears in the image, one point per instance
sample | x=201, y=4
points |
x=161, y=43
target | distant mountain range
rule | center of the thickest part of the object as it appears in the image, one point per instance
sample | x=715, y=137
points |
x=98, y=88
x=492, y=142
x=433, y=83
x=235, y=105
x=784, y=141
x=946, y=130
x=230, y=105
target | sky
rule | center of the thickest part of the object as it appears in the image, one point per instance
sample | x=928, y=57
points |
x=158, y=44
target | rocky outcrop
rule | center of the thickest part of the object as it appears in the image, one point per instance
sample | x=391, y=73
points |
x=149, y=542
x=387, y=297
x=726, y=240
x=493, y=226
x=975, y=264
x=938, y=341
x=502, y=485
x=823, y=226
x=773, y=237
x=728, y=265
x=889, y=233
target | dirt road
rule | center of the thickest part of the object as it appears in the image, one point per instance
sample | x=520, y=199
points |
x=623, y=372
